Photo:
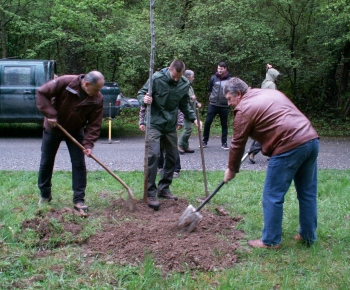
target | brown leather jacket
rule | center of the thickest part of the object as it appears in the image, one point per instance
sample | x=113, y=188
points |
x=60, y=99
x=270, y=118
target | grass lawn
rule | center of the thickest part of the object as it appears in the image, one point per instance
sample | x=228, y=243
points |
x=324, y=265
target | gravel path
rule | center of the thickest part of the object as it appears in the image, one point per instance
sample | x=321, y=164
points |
x=128, y=154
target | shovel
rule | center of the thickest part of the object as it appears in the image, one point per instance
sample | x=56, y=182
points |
x=191, y=217
x=131, y=199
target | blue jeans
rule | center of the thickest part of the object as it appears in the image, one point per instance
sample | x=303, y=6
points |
x=300, y=165
x=49, y=147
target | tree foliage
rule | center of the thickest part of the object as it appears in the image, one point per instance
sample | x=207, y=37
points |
x=307, y=40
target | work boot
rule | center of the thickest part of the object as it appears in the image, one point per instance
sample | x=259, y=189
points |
x=153, y=202
x=81, y=206
x=166, y=195
x=44, y=200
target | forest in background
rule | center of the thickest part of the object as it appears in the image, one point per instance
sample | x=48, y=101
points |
x=308, y=41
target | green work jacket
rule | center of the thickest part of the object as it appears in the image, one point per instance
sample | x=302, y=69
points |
x=168, y=96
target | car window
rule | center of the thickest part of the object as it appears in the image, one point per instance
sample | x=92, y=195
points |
x=18, y=76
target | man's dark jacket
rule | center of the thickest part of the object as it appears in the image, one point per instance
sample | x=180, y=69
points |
x=61, y=99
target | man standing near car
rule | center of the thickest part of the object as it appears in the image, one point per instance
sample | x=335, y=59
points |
x=170, y=93
x=288, y=137
x=217, y=104
x=74, y=102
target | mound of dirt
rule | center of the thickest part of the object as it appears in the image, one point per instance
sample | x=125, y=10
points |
x=127, y=238
x=54, y=224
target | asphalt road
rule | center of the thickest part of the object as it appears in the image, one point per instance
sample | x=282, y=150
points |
x=128, y=154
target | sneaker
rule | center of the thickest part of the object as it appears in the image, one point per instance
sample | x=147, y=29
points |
x=176, y=175
x=181, y=150
x=166, y=195
x=153, y=202
x=224, y=146
x=44, y=200
x=189, y=150
x=204, y=144
x=80, y=206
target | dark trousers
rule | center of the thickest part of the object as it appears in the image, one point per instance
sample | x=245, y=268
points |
x=255, y=148
x=49, y=147
x=212, y=112
x=169, y=144
x=161, y=160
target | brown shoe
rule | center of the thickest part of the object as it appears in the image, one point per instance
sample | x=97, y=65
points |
x=153, y=202
x=80, y=206
x=251, y=158
x=167, y=195
x=181, y=150
x=298, y=237
x=260, y=244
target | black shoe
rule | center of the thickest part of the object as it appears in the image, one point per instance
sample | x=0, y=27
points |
x=167, y=195
x=204, y=144
x=181, y=150
x=224, y=146
x=189, y=150
x=153, y=202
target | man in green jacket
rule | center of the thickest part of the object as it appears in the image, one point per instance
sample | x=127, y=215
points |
x=169, y=93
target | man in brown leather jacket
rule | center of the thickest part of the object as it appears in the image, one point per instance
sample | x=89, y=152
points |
x=74, y=102
x=286, y=136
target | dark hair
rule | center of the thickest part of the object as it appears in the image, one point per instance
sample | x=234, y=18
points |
x=222, y=64
x=178, y=65
x=234, y=85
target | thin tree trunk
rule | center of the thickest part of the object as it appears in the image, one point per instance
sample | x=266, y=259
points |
x=3, y=35
x=148, y=110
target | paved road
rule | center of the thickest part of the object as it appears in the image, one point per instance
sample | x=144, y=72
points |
x=128, y=154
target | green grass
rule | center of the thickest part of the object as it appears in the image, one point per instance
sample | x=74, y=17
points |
x=324, y=265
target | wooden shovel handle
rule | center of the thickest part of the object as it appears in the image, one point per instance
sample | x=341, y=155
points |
x=97, y=160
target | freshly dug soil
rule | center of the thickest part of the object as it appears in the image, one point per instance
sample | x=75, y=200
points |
x=127, y=238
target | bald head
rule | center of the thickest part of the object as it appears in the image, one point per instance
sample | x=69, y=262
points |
x=93, y=82
x=94, y=77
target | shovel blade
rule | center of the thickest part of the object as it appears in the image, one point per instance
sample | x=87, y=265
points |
x=189, y=219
